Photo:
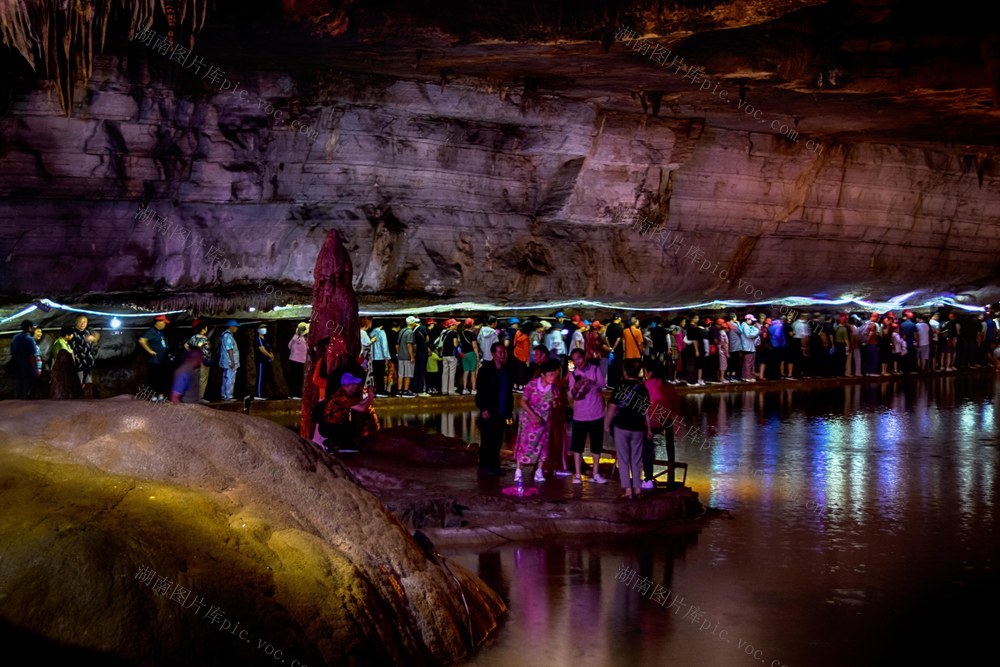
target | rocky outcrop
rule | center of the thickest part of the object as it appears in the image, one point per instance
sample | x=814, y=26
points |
x=144, y=533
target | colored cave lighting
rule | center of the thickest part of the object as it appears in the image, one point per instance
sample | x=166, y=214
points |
x=846, y=301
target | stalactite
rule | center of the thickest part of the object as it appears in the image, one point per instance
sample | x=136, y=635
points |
x=59, y=37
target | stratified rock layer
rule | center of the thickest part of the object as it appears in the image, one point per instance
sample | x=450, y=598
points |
x=257, y=526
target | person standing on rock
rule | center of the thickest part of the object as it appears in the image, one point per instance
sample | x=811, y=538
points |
x=63, y=367
x=154, y=343
x=627, y=420
x=187, y=378
x=536, y=411
x=26, y=359
x=264, y=357
x=229, y=359
x=84, y=350
x=495, y=400
x=406, y=352
x=586, y=388
x=298, y=352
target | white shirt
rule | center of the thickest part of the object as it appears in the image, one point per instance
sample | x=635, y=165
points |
x=801, y=329
x=935, y=329
x=923, y=334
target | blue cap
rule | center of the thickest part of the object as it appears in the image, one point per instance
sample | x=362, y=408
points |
x=514, y=320
x=232, y=323
x=347, y=378
x=560, y=314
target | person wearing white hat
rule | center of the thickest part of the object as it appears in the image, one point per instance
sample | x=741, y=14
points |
x=406, y=352
x=749, y=331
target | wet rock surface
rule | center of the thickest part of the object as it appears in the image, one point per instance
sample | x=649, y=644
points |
x=113, y=509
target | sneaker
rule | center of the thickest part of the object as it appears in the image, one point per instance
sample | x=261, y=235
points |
x=423, y=394
x=577, y=479
x=517, y=475
x=539, y=475
x=597, y=479
x=648, y=484
x=259, y=398
x=406, y=394
x=563, y=473
x=473, y=392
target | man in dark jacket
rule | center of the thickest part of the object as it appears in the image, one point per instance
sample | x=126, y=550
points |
x=495, y=400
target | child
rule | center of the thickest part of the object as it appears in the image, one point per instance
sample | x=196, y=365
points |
x=433, y=371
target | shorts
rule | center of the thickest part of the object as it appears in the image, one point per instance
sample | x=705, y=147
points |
x=405, y=368
x=578, y=438
x=923, y=352
x=470, y=362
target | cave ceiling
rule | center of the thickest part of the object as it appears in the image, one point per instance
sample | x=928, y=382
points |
x=504, y=153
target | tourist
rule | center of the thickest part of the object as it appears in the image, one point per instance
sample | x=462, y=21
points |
x=692, y=352
x=923, y=340
x=450, y=350
x=899, y=350
x=348, y=414
x=433, y=370
x=842, y=347
x=199, y=341
x=298, y=350
x=664, y=404
x=935, y=324
x=793, y=351
x=627, y=420
x=558, y=448
x=870, y=335
x=495, y=401
x=470, y=356
x=421, y=335
x=229, y=359
x=26, y=359
x=886, y=351
x=406, y=352
x=632, y=341
x=857, y=345
x=264, y=358
x=522, y=357
x=539, y=355
x=802, y=332
x=586, y=388
x=722, y=349
x=908, y=330
x=536, y=411
x=949, y=342
x=749, y=331
x=763, y=347
x=576, y=341
x=613, y=334
x=84, y=346
x=187, y=378
x=380, y=359
x=554, y=341
x=154, y=343
x=776, y=333
x=735, y=365
x=488, y=335
x=64, y=377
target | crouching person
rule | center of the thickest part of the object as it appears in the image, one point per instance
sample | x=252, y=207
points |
x=348, y=415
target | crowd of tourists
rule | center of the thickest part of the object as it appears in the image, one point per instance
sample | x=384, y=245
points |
x=423, y=357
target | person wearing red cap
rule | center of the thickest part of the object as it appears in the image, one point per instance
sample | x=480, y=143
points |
x=154, y=343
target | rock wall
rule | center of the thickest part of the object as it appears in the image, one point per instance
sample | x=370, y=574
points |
x=460, y=191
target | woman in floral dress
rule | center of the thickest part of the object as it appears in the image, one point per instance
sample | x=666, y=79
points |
x=536, y=412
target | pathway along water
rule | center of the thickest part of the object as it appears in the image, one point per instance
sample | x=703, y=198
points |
x=862, y=530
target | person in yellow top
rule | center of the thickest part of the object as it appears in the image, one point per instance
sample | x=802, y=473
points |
x=63, y=369
x=632, y=340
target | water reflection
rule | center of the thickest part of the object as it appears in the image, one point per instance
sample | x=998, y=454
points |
x=863, y=531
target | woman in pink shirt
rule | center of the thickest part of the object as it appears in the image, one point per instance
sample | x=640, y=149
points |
x=298, y=347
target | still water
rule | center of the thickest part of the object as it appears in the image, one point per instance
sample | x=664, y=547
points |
x=858, y=527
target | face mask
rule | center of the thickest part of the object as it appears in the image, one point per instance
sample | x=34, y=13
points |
x=262, y=330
